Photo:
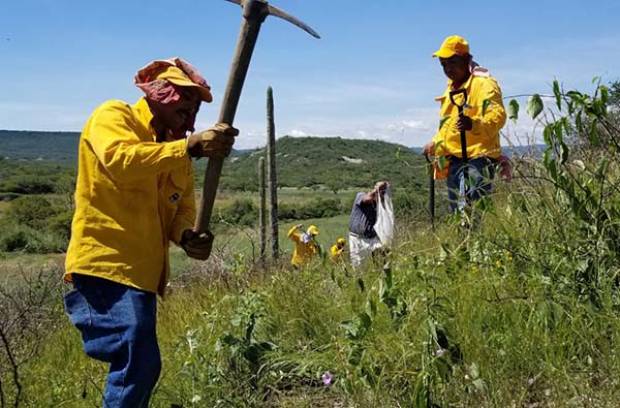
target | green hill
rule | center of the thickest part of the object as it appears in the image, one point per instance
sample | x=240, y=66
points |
x=316, y=162
x=59, y=147
x=334, y=163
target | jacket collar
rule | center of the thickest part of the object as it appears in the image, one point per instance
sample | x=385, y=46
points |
x=144, y=114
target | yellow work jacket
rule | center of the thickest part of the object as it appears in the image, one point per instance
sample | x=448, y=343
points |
x=133, y=195
x=303, y=252
x=336, y=253
x=484, y=107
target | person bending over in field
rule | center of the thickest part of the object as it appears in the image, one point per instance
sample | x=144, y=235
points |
x=363, y=238
x=306, y=245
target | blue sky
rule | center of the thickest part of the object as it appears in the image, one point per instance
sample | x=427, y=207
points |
x=370, y=76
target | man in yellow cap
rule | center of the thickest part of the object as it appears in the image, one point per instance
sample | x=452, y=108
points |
x=306, y=246
x=135, y=194
x=337, y=250
x=482, y=119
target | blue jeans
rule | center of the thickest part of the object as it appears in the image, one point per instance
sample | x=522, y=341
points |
x=117, y=324
x=480, y=173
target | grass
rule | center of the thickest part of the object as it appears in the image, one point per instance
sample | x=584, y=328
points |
x=520, y=310
x=461, y=322
x=241, y=244
x=460, y=319
x=286, y=195
x=15, y=265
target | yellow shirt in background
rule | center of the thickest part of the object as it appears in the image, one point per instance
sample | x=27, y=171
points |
x=303, y=252
x=336, y=253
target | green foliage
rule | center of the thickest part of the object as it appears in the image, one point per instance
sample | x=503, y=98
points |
x=14, y=239
x=485, y=106
x=519, y=311
x=34, y=224
x=58, y=147
x=513, y=109
x=534, y=106
x=33, y=212
x=28, y=185
x=60, y=225
x=331, y=163
x=317, y=207
x=240, y=212
x=614, y=93
x=20, y=238
x=34, y=178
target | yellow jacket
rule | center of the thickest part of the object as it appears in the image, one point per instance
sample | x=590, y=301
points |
x=336, y=253
x=303, y=252
x=133, y=195
x=488, y=118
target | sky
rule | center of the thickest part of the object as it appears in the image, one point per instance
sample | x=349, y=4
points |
x=371, y=75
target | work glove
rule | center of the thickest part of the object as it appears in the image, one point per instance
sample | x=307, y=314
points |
x=215, y=142
x=195, y=245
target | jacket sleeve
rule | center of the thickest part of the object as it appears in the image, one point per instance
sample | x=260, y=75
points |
x=119, y=149
x=186, y=212
x=492, y=117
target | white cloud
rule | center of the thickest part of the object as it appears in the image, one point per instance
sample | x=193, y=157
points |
x=297, y=133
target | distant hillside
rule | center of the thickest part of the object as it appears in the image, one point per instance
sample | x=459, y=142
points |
x=58, y=147
x=334, y=163
x=521, y=150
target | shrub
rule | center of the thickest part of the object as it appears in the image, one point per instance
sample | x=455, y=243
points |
x=240, y=212
x=60, y=225
x=315, y=208
x=8, y=196
x=14, y=240
x=28, y=185
x=32, y=211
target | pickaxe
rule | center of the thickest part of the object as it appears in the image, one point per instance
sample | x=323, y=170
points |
x=254, y=14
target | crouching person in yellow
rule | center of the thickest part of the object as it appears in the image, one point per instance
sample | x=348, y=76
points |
x=306, y=246
x=134, y=194
x=336, y=252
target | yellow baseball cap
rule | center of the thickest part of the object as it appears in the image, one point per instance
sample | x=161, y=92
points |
x=453, y=45
x=341, y=241
x=176, y=76
x=313, y=230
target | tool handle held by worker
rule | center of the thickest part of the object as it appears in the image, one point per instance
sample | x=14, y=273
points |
x=461, y=107
x=431, y=188
x=248, y=34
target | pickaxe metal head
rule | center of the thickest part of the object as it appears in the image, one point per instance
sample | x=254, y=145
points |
x=274, y=11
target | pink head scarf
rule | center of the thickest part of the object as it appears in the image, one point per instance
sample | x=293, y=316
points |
x=164, y=91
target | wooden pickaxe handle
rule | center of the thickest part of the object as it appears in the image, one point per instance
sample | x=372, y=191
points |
x=250, y=27
x=254, y=13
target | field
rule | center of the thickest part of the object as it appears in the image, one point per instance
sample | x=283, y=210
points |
x=513, y=304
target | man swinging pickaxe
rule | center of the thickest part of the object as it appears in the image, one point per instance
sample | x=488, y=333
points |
x=254, y=13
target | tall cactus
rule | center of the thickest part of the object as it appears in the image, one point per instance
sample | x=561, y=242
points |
x=262, y=227
x=273, y=182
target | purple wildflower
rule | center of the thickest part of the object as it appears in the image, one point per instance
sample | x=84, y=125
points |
x=327, y=378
